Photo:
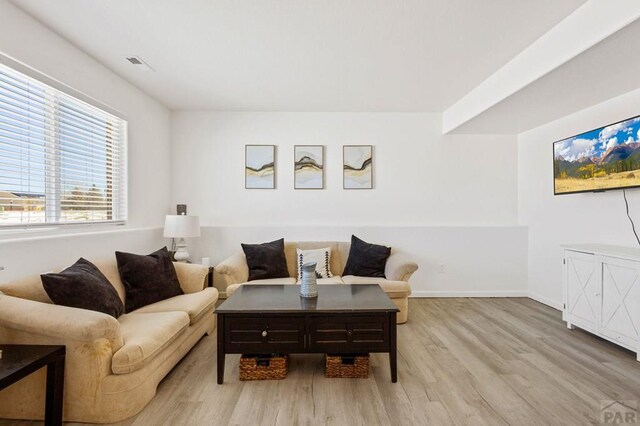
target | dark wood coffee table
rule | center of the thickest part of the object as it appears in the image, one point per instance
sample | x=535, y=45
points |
x=18, y=361
x=275, y=319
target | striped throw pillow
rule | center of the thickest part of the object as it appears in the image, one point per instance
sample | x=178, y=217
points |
x=322, y=258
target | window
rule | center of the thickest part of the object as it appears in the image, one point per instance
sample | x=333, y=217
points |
x=62, y=161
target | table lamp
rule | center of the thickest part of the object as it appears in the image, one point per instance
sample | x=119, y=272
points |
x=181, y=227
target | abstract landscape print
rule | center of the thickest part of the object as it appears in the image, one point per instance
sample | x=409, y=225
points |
x=357, y=167
x=603, y=158
x=308, y=166
x=259, y=167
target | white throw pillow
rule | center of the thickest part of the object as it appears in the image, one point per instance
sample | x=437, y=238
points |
x=322, y=257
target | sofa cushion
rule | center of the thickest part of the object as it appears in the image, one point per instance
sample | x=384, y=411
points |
x=83, y=286
x=192, y=276
x=194, y=304
x=392, y=288
x=145, y=336
x=266, y=260
x=365, y=259
x=147, y=279
x=234, y=287
x=29, y=288
x=109, y=267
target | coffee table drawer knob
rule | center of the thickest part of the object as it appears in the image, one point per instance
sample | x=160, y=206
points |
x=264, y=333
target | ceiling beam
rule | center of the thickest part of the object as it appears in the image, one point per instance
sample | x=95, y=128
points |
x=588, y=25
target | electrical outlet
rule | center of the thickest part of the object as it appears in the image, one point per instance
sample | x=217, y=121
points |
x=441, y=268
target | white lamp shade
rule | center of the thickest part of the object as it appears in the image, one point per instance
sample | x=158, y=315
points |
x=181, y=226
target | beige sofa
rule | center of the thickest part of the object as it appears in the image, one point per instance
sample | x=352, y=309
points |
x=113, y=366
x=234, y=272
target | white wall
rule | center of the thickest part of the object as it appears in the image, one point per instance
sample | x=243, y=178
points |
x=420, y=176
x=443, y=199
x=576, y=218
x=477, y=260
x=26, y=40
x=34, y=255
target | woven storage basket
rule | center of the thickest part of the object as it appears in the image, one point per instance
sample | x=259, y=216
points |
x=355, y=366
x=263, y=367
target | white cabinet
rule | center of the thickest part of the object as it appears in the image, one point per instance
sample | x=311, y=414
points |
x=602, y=292
x=582, y=288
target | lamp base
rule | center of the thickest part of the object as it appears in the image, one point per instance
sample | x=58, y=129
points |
x=181, y=254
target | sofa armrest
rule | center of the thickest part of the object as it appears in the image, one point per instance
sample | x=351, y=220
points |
x=58, y=321
x=399, y=267
x=234, y=269
x=191, y=276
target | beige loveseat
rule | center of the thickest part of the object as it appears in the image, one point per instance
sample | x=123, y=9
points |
x=234, y=272
x=113, y=366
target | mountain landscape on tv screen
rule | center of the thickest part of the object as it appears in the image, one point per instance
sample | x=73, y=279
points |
x=601, y=159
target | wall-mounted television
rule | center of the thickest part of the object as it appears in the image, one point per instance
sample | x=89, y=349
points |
x=598, y=160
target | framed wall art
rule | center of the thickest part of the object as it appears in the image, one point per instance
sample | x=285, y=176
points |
x=308, y=170
x=260, y=166
x=357, y=167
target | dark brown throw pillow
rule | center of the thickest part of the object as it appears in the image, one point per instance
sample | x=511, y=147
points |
x=366, y=260
x=147, y=279
x=83, y=286
x=266, y=260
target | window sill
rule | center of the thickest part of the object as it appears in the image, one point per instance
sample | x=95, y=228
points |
x=16, y=235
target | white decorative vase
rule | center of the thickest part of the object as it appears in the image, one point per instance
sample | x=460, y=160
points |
x=308, y=282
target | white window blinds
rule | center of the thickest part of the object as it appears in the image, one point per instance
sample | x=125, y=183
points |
x=62, y=160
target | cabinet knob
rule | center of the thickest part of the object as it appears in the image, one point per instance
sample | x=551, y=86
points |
x=349, y=332
x=596, y=294
x=264, y=333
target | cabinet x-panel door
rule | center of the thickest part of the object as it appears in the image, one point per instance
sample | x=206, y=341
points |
x=583, y=288
x=620, y=318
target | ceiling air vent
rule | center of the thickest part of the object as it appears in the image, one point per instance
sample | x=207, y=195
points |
x=139, y=63
x=134, y=60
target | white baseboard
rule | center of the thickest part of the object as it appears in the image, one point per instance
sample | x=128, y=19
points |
x=506, y=293
x=545, y=301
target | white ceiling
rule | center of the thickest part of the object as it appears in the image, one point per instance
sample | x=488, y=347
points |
x=304, y=55
x=608, y=69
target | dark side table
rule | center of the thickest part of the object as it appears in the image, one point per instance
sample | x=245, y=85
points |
x=18, y=361
x=210, y=277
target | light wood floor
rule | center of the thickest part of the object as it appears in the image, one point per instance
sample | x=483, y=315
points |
x=460, y=361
